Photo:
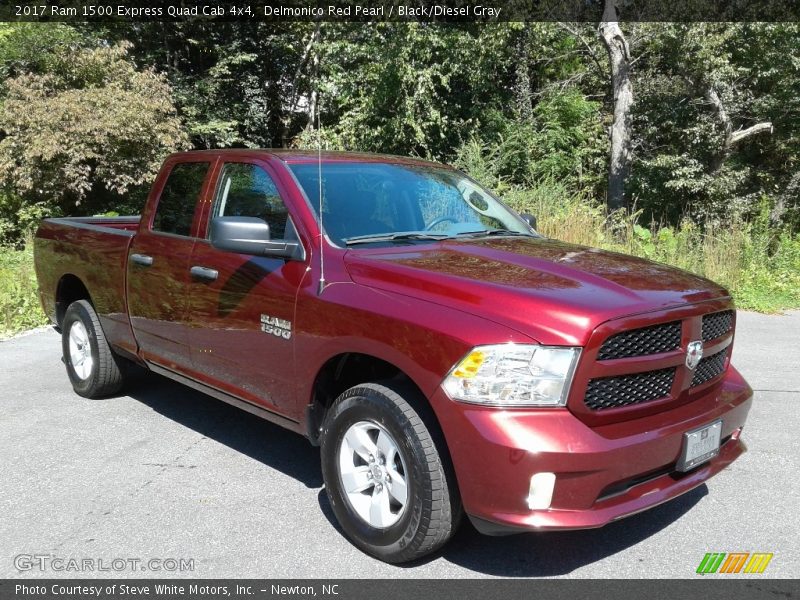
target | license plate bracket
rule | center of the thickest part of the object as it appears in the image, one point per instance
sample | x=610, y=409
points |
x=700, y=445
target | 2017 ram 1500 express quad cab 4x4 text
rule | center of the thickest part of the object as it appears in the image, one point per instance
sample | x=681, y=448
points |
x=447, y=358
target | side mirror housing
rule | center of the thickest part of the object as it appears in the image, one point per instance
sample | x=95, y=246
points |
x=529, y=219
x=251, y=235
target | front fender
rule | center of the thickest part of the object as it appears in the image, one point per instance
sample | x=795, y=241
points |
x=422, y=339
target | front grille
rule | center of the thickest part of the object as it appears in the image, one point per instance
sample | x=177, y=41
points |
x=624, y=390
x=709, y=367
x=660, y=347
x=717, y=324
x=641, y=342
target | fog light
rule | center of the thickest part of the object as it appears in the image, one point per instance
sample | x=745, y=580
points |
x=541, y=492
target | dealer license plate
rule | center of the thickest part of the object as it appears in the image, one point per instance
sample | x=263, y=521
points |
x=700, y=446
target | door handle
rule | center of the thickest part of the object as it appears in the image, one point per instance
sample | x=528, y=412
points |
x=142, y=259
x=204, y=273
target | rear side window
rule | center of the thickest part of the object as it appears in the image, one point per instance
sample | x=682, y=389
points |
x=247, y=190
x=175, y=208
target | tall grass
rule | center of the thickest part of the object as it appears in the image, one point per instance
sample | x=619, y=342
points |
x=19, y=300
x=759, y=266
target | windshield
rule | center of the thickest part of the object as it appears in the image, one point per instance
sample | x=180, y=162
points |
x=379, y=202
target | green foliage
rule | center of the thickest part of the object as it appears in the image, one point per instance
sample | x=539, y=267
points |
x=19, y=300
x=567, y=140
x=234, y=83
x=562, y=141
x=759, y=267
x=36, y=47
x=399, y=88
x=97, y=120
x=486, y=163
x=95, y=124
x=19, y=219
x=87, y=112
x=209, y=122
x=682, y=165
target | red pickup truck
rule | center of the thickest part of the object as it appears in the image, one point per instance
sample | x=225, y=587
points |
x=447, y=358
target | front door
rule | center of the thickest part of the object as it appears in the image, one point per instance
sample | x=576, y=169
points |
x=240, y=307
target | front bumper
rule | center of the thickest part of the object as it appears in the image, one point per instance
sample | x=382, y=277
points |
x=603, y=473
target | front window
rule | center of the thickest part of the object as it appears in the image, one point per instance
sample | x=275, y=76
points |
x=247, y=190
x=382, y=203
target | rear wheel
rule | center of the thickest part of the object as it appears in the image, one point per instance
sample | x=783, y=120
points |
x=92, y=366
x=385, y=478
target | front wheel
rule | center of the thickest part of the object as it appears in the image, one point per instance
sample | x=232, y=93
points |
x=385, y=478
x=92, y=366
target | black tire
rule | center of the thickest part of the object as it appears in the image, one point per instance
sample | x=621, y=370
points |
x=106, y=375
x=433, y=508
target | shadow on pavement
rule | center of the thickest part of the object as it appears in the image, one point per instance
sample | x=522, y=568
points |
x=549, y=554
x=261, y=440
x=544, y=554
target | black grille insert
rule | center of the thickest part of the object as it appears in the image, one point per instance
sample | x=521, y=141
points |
x=717, y=324
x=624, y=390
x=709, y=367
x=641, y=342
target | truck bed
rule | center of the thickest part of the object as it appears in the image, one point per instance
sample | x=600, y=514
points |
x=92, y=250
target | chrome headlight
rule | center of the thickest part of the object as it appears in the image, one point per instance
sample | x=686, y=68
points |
x=512, y=375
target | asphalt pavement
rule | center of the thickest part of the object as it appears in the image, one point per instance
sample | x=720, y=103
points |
x=166, y=474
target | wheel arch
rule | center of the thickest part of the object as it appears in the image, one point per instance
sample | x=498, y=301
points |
x=347, y=369
x=70, y=288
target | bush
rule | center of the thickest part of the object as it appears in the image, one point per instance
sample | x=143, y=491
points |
x=19, y=300
x=83, y=135
x=760, y=268
x=563, y=141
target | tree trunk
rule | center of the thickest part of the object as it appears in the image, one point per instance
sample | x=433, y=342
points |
x=731, y=137
x=788, y=197
x=523, y=91
x=313, y=101
x=294, y=91
x=619, y=57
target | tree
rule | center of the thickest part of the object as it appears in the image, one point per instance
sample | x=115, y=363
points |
x=37, y=47
x=730, y=137
x=532, y=97
x=622, y=90
x=94, y=125
x=717, y=133
x=234, y=83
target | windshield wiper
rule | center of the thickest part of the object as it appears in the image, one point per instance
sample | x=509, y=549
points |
x=488, y=232
x=421, y=235
x=391, y=237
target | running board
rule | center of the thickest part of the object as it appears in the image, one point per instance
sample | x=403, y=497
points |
x=254, y=409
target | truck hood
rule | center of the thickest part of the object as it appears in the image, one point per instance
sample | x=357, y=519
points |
x=557, y=293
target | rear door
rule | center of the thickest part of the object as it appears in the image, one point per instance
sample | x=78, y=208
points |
x=241, y=307
x=158, y=262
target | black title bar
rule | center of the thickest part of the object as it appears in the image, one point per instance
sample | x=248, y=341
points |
x=400, y=10
x=750, y=588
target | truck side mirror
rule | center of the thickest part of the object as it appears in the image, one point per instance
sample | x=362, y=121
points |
x=250, y=235
x=529, y=219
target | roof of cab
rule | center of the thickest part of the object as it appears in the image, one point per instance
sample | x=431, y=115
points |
x=312, y=156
